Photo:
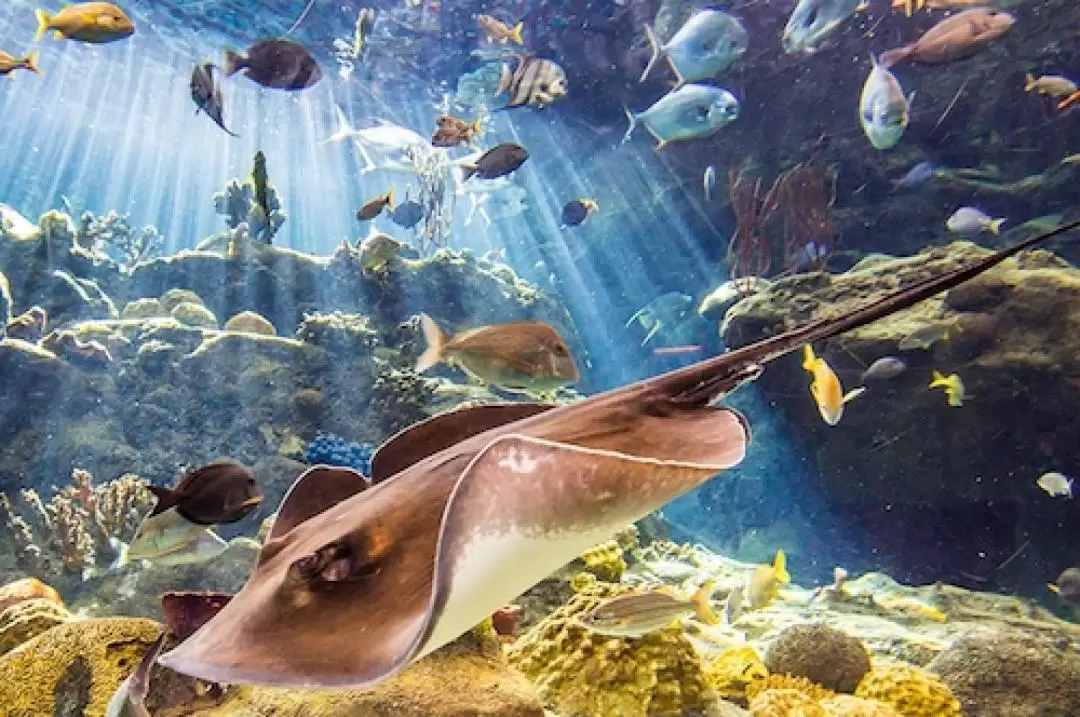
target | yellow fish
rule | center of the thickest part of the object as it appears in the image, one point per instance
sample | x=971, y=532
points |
x=96, y=22
x=825, y=388
x=765, y=582
x=954, y=387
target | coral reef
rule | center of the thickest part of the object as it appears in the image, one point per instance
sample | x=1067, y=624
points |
x=587, y=673
x=605, y=561
x=911, y=691
x=27, y=589
x=28, y=619
x=1011, y=672
x=786, y=682
x=63, y=537
x=236, y=202
x=28, y=326
x=848, y=706
x=113, y=236
x=734, y=671
x=822, y=654
x=332, y=450
x=785, y=703
x=249, y=322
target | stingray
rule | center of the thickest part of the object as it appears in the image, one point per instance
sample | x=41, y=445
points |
x=465, y=511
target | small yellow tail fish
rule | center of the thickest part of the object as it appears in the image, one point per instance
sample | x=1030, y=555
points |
x=825, y=387
x=766, y=580
x=954, y=387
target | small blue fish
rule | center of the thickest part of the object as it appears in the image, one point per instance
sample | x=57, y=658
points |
x=705, y=46
x=811, y=22
x=690, y=112
x=918, y=175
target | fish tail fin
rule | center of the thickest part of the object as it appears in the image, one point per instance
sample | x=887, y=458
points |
x=809, y=358
x=895, y=56
x=657, y=51
x=515, y=34
x=702, y=605
x=44, y=22
x=435, y=340
x=995, y=225
x=853, y=394
x=468, y=170
x=31, y=61
x=390, y=199
x=1054, y=588
x=122, y=557
x=344, y=127
x=780, y=567
x=166, y=498
x=506, y=79
x=939, y=379
x=1029, y=82
x=234, y=62
x=632, y=119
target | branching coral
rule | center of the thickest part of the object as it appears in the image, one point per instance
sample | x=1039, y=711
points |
x=70, y=532
x=236, y=202
x=605, y=561
x=113, y=236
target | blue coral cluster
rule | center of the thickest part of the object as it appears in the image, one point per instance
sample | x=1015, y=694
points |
x=328, y=449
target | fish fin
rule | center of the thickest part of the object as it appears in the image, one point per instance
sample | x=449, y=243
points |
x=44, y=21
x=632, y=119
x=166, y=498
x=652, y=332
x=938, y=380
x=316, y=490
x=185, y=612
x=344, y=127
x=468, y=170
x=234, y=62
x=31, y=61
x=660, y=144
x=121, y=558
x=390, y=199
x=139, y=686
x=889, y=58
x=1029, y=82
x=413, y=444
x=1054, y=588
x=657, y=50
x=515, y=34
x=436, y=341
x=853, y=394
x=809, y=358
x=702, y=605
x=506, y=79
x=780, y=567
x=995, y=225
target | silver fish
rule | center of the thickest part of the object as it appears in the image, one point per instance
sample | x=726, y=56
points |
x=969, y=220
x=883, y=109
x=709, y=181
x=883, y=369
x=812, y=20
x=169, y=539
x=690, y=112
x=129, y=700
x=733, y=606
x=705, y=46
x=536, y=82
x=638, y=614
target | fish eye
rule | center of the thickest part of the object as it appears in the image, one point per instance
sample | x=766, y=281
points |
x=811, y=18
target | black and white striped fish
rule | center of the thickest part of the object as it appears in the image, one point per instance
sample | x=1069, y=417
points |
x=535, y=82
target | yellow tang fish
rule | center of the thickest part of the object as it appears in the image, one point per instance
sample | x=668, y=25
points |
x=954, y=387
x=825, y=388
x=96, y=22
x=766, y=580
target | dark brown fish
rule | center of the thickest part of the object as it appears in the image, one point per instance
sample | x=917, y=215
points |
x=207, y=96
x=954, y=38
x=451, y=131
x=577, y=211
x=277, y=64
x=521, y=356
x=473, y=507
x=373, y=207
x=496, y=162
x=220, y=492
x=535, y=82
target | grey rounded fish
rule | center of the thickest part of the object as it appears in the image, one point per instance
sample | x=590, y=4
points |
x=407, y=214
x=812, y=20
x=883, y=369
x=496, y=162
x=690, y=112
x=535, y=82
x=883, y=109
x=705, y=46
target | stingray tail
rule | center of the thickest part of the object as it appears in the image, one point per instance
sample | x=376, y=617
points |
x=657, y=51
x=436, y=341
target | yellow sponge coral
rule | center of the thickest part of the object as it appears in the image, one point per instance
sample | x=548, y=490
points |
x=584, y=672
x=787, y=682
x=911, y=691
x=733, y=671
x=605, y=561
x=848, y=706
x=785, y=703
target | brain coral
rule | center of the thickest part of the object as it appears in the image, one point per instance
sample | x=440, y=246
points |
x=848, y=706
x=913, y=692
x=821, y=654
x=586, y=673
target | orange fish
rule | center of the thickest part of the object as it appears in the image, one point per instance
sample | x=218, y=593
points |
x=10, y=63
x=520, y=356
x=911, y=6
x=499, y=31
x=451, y=131
x=954, y=38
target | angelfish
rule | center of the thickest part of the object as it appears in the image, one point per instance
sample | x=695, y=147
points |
x=470, y=508
x=129, y=700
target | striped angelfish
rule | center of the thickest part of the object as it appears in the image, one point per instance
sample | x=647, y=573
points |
x=535, y=82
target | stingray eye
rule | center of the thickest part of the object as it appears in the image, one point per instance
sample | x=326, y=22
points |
x=560, y=350
x=305, y=569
